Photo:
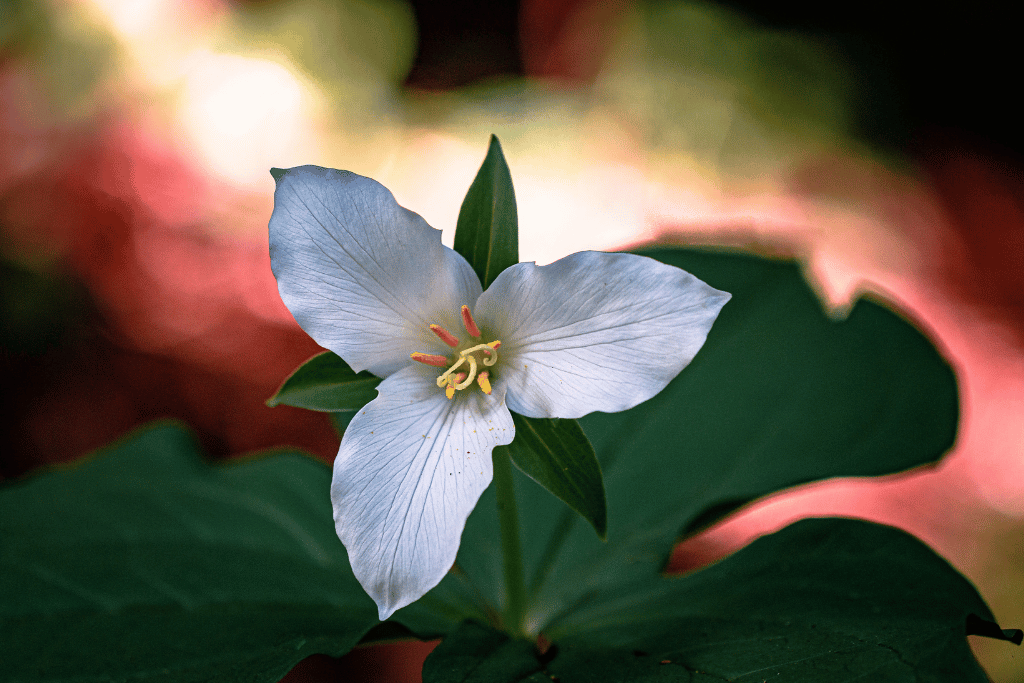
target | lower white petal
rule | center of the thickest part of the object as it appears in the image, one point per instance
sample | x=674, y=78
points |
x=411, y=468
x=594, y=331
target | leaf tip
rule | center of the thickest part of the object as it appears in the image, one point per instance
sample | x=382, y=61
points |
x=278, y=173
x=976, y=626
x=495, y=152
x=600, y=521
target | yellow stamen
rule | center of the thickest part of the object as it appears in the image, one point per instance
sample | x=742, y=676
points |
x=469, y=323
x=453, y=383
x=484, y=382
x=430, y=359
x=446, y=336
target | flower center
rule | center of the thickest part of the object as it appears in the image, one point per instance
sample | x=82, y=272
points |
x=466, y=367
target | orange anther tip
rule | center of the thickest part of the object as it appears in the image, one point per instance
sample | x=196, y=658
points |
x=495, y=344
x=429, y=359
x=484, y=382
x=449, y=391
x=467, y=320
x=446, y=336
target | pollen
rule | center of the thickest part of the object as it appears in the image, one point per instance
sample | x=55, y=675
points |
x=485, y=384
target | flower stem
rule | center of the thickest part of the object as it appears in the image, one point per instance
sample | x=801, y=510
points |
x=511, y=546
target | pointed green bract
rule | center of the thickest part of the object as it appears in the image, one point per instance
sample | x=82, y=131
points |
x=145, y=561
x=557, y=455
x=325, y=382
x=487, y=232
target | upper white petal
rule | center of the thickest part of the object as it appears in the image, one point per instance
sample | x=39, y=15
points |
x=363, y=276
x=594, y=331
x=411, y=468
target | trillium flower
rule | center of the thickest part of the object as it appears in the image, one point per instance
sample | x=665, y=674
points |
x=371, y=281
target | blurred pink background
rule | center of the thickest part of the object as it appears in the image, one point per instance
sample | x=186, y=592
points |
x=136, y=138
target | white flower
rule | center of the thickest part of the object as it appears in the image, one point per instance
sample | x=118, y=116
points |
x=372, y=282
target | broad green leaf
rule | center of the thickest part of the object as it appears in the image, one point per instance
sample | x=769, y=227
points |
x=557, y=455
x=477, y=654
x=487, y=231
x=144, y=561
x=325, y=382
x=822, y=600
x=781, y=394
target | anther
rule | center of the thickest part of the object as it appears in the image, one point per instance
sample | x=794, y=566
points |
x=470, y=324
x=453, y=382
x=430, y=359
x=446, y=336
x=492, y=355
x=484, y=382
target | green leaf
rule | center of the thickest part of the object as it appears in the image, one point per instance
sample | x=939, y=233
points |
x=557, y=455
x=144, y=561
x=477, y=654
x=781, y=394
x=325, y=382
x=822, y=600
x=487, y=232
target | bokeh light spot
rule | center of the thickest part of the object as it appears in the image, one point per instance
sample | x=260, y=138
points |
x=244, y=115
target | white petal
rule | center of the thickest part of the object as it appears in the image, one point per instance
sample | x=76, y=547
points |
x=411, y=468
x=594, y=331
x=363, y=276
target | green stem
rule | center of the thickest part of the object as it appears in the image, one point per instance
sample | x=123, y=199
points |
x=511, y=546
